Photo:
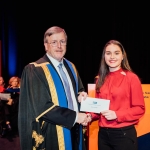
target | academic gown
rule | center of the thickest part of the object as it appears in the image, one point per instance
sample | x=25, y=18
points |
x=45, y=122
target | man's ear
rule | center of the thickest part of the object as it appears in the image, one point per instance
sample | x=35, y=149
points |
x=45, y=45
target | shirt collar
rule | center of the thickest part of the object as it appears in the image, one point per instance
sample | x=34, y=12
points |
x=54, y=61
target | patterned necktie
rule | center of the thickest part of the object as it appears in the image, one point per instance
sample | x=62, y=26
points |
x=66, y=85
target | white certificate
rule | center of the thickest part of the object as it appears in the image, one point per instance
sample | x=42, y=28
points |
x=95, y=105
x=5, y=96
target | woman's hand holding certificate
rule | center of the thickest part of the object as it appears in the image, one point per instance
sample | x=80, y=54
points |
x=4, y=96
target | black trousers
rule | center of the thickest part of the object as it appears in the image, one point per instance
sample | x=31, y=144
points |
x=124, y=138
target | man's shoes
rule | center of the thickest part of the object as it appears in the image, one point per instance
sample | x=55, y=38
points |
x=8, y=127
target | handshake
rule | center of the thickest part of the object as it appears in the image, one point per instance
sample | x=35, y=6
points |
x=84, y=118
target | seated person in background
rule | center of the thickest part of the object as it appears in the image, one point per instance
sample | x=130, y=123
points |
x=9, y=105
x=12, y=111
x=2, y=106
x=2, y=85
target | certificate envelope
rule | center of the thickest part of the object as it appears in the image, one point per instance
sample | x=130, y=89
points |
x=5, y=96
x=95, y=105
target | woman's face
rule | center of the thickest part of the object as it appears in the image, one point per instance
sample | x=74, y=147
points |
x=113, y=57
x=14, y=83
x=1, y=81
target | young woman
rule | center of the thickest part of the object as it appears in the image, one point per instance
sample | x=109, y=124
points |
x=117, y=83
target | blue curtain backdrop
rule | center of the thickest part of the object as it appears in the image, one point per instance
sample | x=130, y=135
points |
x=9, y=40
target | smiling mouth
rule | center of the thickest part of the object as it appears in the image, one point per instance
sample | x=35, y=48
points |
x=112, y=61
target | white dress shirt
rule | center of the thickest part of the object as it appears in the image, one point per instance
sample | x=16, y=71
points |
x=56, y=63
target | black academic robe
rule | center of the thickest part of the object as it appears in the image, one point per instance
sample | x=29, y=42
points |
x=45, y=122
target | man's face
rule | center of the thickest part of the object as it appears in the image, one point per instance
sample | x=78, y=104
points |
x=56, y=45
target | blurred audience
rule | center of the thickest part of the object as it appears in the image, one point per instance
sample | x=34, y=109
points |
x=2, y=84
x=10, y=106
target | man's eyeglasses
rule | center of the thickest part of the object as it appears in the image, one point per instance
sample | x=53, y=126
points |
x=55, y=43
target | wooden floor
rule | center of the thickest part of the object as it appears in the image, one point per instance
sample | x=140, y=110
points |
x=10, y=141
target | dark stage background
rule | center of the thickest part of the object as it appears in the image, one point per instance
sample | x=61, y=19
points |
x=89, y=26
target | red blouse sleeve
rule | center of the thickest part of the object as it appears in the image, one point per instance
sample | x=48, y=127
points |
x=137, y=108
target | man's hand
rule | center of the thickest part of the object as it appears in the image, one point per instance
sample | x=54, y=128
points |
x=89, y=119
x=83, y=96
x=84, y=118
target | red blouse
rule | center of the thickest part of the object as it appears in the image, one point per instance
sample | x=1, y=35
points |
x=2, y=89
x=124, y=90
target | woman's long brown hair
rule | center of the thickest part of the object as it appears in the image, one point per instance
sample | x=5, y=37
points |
x=104, y=69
